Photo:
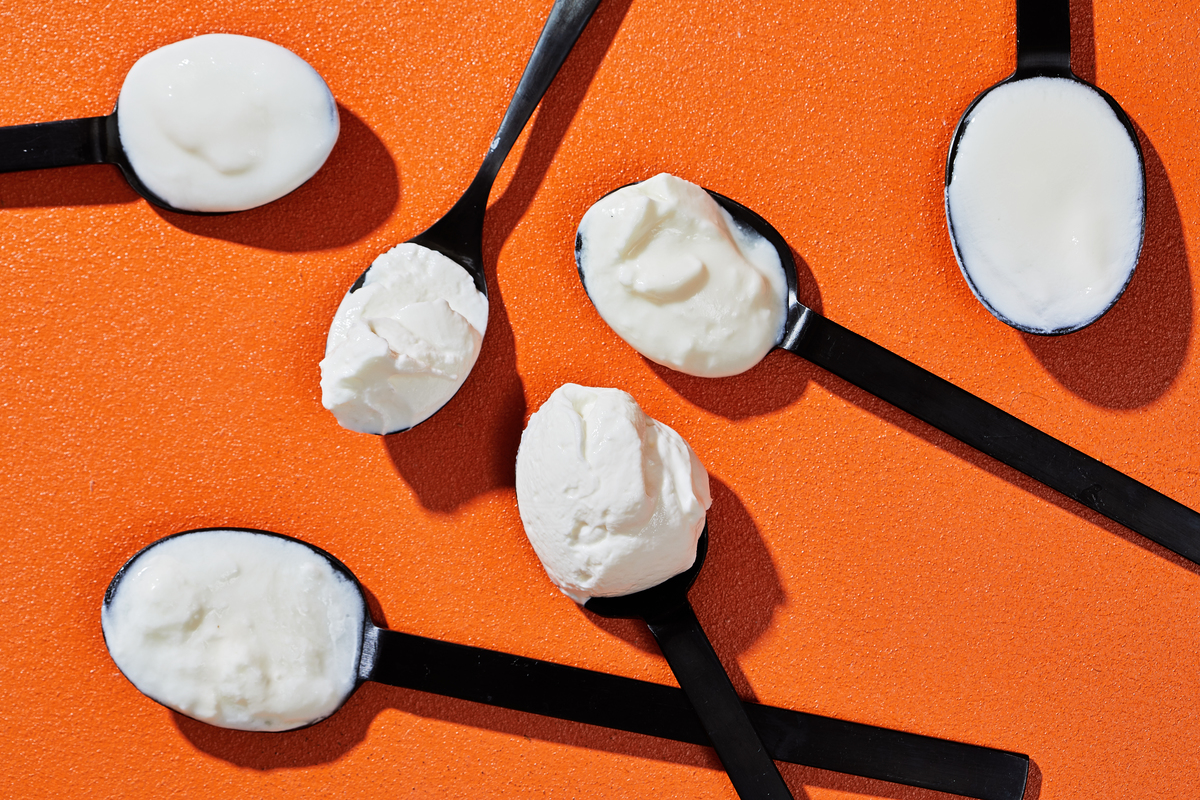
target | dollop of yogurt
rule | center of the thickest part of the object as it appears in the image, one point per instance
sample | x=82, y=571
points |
x=680, y=280
x=402, y=344
x=224, y=122
x=237, y=629
x=1045, y=204
x=613, y=501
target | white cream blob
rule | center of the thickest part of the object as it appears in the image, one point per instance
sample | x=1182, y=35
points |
x=237, y=629
x=1045, y=204
x=613, y=502
x=678, y=279
x=224, y=122
x=402, y=344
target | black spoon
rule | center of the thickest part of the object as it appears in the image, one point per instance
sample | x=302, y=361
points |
x=964, y=416
x=1043, y=51
x=669, y=615
x=597, y=698
x=459, y=234
x=79, y=142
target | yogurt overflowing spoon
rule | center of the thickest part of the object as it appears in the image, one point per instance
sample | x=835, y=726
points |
x=251, y=630
x=408, y=332
x=1046, y=187
x=611, y=261
x=614, y=504
x=208, y=125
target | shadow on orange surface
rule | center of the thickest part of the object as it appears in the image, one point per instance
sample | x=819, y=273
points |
x=470, y=447
x=332, y=739
x=933, y=436
x=93, y=185
x=1130, y=356
x=735, y=596
x=354, y=193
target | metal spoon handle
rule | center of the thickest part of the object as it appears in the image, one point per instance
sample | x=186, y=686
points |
x=704, y=681
x=459, y=234
x=598, y=698
x=998, y=434
x=566, y=22
x=64, y=143
x=1043, y=37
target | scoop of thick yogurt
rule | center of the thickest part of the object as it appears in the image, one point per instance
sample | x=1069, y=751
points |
x=402, y=344
x=680, y=280
x=238, y=629
x=224, y=122
x=1045, y=204
x=612, y=501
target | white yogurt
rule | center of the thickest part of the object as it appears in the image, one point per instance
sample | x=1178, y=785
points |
x=225, y=123
x=612, y=501
x=1045, y=204
x=240, y=630
x=678, y=279
x=402, y=345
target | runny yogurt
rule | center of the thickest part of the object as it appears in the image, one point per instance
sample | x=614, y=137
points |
x=613, y=501
x=224, y=122
x=237, y=629
x=401, y=345
x=680, y=280
x=1045, y=204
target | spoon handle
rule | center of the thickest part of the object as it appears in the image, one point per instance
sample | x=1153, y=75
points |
x=998, y=434
x=64, y=143
x=566, y=22
x=598, y=698
x=704, y=681
x=1043, y=38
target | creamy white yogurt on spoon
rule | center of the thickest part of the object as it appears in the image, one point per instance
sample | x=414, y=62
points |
x=1046, y=203
x=613, y=501
x=239, y=629
x=680, y=280
x=224, y=122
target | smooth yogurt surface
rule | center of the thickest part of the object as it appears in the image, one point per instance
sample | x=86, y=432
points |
x=402, y=344
x=680, y=280
x=224, y=122
x=1045, y=204
x=237, y=629
x=613, y=501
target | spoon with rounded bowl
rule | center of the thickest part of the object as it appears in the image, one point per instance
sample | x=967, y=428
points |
x=1045, y=187
x=667, y=612
x=959, y=413
x=508, y=681
x=248, y=122
x=370, y=397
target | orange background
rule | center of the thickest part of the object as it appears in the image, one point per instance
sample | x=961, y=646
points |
x=158, y=372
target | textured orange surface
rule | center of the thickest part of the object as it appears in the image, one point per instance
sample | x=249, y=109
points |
x=159, y=372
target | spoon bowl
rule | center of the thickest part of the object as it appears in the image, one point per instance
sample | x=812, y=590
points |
x=669, y=615
x=196, y=84
x=459, y=234
x=1046, y=268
